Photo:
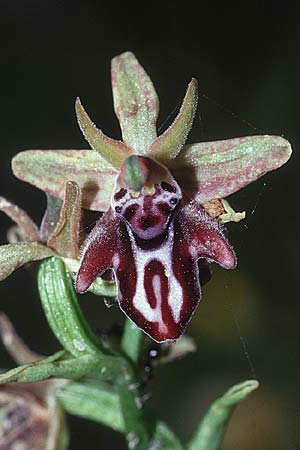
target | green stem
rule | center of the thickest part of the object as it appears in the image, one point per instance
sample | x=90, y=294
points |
x=132, y=341
x=108, y=368
x=135, y=428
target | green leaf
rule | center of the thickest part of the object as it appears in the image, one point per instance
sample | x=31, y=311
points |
x=167, y=146
x=101, y=403
x=62, y=310
x=210, y=170
x=49, y=170
x=135, y=101
x=211, y=430
x=94, y=401
x=28, y=228
x=114, y=152
x=13, y=256
x=65, y=238
x=166, y=438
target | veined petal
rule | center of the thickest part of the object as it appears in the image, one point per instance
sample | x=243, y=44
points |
x=211, y=170
x=13, y=256
x=20, y=217
x=114, y=152
x=65, y=239
x=135, y=101
x=167, y=146
x=49, y=170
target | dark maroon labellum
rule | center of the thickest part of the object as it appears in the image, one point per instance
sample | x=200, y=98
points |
x=153, y=245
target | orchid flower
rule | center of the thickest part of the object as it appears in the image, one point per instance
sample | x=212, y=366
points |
x=162, y=199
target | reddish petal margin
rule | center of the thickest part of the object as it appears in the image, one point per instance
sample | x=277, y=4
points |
x=49, y=170
x=211, y=170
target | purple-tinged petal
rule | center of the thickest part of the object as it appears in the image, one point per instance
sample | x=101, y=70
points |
x=202, y=237
x=28, y=228
x=167, y=146
x=114, y=152
x=65, y=239
x=49, y=170
x=13, y=256
x=102, y=244
x=211, y=170
x=135, y=102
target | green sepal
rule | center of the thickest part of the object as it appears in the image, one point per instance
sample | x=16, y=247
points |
x=62, y=310
x=210, y=170
x=135, y=101
x=49, y=170
x=211, y=430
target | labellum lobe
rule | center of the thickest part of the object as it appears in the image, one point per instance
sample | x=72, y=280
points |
x=153, y=243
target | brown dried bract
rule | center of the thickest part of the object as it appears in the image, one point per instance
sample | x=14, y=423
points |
x=214, y=208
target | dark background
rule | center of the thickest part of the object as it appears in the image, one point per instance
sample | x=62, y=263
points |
x=246, y=58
